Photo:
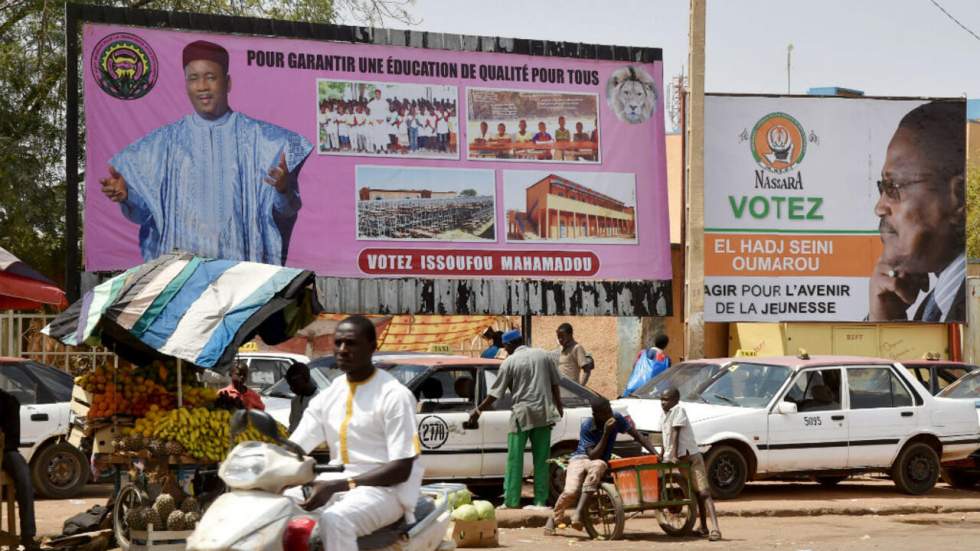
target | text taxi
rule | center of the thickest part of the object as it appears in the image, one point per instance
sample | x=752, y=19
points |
x=827, y=416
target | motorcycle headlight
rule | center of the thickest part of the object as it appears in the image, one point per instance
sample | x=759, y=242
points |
x=240, y=470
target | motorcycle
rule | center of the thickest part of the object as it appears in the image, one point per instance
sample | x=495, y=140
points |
x=255, y=516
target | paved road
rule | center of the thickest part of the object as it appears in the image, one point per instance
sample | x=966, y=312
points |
x=946, y=532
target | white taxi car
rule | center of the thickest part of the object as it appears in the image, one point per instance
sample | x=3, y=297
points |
x=58, y=469
x=826, y=417
x=447, y=389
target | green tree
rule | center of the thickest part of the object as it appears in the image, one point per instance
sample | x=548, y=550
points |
x=468, y=193
x=32, y=105
x=973, y=212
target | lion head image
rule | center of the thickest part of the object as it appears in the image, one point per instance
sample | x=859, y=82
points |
x=632, y=94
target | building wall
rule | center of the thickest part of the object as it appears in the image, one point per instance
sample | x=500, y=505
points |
x=368, y=194
x=614, y=342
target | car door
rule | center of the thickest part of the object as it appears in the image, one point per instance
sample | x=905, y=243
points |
x=445, y=397
x=815, y=436
x=495, y=424
x=882, y=413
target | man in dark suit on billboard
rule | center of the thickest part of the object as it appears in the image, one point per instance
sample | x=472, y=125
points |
x=922, y=207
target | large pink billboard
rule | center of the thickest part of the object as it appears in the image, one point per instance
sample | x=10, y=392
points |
x=359, y=160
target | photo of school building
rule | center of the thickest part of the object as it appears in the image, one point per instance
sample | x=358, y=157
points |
x=425, y=204
x=560, y=208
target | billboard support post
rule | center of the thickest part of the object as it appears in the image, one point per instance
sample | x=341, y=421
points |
x=71, y=153
x=694, y=196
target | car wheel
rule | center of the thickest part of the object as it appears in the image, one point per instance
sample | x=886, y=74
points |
x=916, y=469
x=728, y=471
x=960, y=479
x=829, y=481
x=59, y=471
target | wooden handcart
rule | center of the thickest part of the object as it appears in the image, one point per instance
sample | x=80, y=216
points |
x=636, y=485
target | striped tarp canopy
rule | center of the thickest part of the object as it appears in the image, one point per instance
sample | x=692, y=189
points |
x=196, y=309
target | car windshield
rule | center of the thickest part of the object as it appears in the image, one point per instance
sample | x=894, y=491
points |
x=686, y=377
x=404, y=372
x=744, y=385
x=968, y=386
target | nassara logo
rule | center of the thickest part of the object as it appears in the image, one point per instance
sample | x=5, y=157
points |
x=778, y=142
x=124, y=65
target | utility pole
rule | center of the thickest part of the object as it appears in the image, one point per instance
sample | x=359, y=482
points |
x=694, y=195
x=789, y=63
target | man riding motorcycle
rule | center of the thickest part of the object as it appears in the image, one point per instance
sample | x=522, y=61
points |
x=368, y=420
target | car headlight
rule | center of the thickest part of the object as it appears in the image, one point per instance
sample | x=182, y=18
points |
x=240, y=470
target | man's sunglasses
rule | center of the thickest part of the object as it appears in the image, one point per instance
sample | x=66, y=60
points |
x=893, y=190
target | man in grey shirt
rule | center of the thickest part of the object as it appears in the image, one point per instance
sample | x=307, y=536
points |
x=531, y=377
x=303, y=389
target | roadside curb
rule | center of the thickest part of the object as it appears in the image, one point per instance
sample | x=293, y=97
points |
x=527, y=519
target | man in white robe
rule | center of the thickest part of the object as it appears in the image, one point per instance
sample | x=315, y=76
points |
x=215, y=183
x=367, y=418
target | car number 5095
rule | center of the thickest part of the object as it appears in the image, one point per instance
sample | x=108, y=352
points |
x=812, y=421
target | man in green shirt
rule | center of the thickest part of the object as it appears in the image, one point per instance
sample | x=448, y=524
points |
x=531, y=377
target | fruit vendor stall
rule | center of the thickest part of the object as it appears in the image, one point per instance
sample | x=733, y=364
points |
x=150, y=418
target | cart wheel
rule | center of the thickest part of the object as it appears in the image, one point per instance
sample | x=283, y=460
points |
x=605, y=519
x=677, y=520
x=129, y=498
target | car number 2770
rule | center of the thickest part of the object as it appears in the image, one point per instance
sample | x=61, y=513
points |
x=809, y=421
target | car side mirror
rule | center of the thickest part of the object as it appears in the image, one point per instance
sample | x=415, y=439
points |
x=785, y=407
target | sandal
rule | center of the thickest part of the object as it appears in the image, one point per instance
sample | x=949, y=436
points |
x=714, y=535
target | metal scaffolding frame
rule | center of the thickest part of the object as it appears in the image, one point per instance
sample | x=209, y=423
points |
x=422, y=218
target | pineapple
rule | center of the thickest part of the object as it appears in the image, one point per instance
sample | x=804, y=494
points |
x=136, y=519
x=151, y=517
x=175, y=521
x=191, y=519
x=173, y=448
x=190, y=505
x=155, y=447
x=164, y=505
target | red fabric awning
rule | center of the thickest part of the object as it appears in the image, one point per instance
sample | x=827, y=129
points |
x=23, y=293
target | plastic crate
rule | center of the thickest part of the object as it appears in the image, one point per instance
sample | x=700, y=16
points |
x=636, y=485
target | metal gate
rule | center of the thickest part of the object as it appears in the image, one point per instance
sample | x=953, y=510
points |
x=21, y=337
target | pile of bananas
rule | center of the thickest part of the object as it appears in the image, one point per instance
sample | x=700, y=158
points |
x=202, y=433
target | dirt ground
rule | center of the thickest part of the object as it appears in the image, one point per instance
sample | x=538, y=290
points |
x=859, y=514
x=948, y=532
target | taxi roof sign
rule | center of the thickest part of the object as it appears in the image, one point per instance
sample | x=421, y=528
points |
x=250, y=346
x=445, y=348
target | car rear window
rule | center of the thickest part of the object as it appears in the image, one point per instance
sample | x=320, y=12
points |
x=57, y=382
x=967, y=387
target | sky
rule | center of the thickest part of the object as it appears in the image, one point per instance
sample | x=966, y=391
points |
x=883, y=47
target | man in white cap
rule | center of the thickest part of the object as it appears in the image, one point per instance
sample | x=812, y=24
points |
x=531, y=376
